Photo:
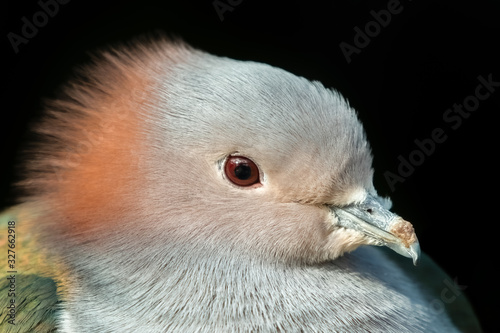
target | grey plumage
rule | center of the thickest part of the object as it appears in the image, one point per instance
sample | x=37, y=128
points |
x=153, y=235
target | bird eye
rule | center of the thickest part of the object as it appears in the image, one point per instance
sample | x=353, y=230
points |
x=241, y=171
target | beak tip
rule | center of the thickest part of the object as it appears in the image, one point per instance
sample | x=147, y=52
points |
x=414, y=251
x=403, y=230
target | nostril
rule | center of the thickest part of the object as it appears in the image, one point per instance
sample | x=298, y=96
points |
x=369, y=210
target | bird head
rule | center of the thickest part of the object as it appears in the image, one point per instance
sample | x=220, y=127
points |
x=164, y=152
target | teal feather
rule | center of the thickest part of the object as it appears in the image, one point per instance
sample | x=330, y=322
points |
x=36, y=303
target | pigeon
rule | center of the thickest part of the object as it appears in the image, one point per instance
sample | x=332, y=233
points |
x=172, y=190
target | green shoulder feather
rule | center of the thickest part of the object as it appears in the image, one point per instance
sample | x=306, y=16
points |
x=28, y=300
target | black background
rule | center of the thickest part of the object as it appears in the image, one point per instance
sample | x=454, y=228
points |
x=426, y=59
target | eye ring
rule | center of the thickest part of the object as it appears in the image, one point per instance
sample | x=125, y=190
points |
x=242, y=171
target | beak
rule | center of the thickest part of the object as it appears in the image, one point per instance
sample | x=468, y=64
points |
x=383, y=227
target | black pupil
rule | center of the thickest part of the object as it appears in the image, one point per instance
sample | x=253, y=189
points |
x=243, y=171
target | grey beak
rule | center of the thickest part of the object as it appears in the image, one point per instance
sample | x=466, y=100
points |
x=382, y=226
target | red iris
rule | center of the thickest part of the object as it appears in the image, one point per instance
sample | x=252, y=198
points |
x=242, y=171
